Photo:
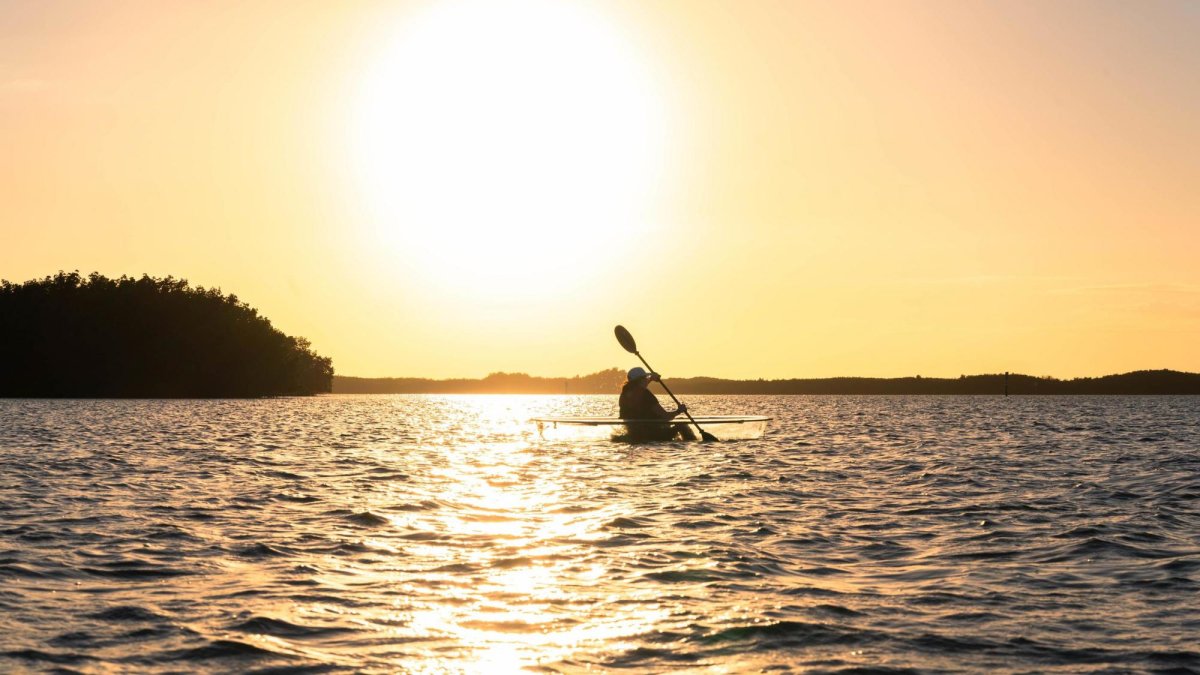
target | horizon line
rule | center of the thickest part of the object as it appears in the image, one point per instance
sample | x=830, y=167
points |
x=771, y=379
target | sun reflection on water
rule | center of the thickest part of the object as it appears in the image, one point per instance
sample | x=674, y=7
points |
x=513, y=555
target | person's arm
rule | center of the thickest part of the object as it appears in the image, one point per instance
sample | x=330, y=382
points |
x=661, y=412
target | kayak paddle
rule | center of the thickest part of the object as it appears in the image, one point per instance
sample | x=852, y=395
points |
x=630, y=346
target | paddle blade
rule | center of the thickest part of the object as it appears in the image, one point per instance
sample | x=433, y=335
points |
x=625, y=339
x=705, y=436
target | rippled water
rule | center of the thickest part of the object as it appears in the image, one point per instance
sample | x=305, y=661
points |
x=416, y=533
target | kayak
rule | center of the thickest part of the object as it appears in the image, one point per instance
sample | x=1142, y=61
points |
x=724, y=427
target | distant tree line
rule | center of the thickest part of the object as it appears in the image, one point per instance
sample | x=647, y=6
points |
x=603, y=382
x=73, y=336
x=609, y=382
x=1139, y=382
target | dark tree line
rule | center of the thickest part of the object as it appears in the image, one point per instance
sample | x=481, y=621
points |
x=1138, y=382
x=73, y=336
x=603, y=382
x=609, y=382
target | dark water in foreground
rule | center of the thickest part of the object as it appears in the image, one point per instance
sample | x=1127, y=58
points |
x=414, y=534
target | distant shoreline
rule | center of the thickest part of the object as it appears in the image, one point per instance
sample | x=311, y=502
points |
x=1142, y=382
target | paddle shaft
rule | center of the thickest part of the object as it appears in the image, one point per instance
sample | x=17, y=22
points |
x=703, y=434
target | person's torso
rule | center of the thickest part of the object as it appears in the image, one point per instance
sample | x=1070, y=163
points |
x=637, y=403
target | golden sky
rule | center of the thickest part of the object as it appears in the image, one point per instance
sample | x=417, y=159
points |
x=755, y=189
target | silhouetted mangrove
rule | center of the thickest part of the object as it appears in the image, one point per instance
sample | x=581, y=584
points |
x=609, y=382
x=70, y=336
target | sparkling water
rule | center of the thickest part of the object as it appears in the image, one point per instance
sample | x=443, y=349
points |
x=440, y=534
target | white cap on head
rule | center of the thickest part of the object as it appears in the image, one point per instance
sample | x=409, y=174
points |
x=636, y=373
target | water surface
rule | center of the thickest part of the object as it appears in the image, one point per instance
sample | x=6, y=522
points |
x=439, y=534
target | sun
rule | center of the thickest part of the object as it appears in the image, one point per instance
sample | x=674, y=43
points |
x=508, y=148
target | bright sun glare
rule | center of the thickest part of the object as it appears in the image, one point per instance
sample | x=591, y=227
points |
x=507, y=147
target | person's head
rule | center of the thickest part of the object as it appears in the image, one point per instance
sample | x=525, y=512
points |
x=638, y=375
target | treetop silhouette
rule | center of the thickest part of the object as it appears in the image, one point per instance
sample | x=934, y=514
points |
x=72, y=336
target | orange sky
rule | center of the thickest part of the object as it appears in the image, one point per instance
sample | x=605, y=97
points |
x=755, y=189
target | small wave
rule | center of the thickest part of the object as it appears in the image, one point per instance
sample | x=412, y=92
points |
x=151, y=633
x=1099, y=546
x=456, y=568
x=427, y=505
x=224, y=649
x=422, y=536
x=126, y=613
x=806, y=541
x=507, y=626
x=699, y=524
x=387, y=472
x=995, y=554
x=621, y=522
x=131, y=570
x=684, y=576
x=201, y=514
x=945, y=643
x=297, y=669
x=834, y=610
x=791, y=634
x=169, y=532
x=262, y=625
x=64, y=658
x=820, y=571
x=1177, y=659
x=640, y=655
x=623, y=539
x=971, y=617
x=573, y=508
x=77, y=638
x=367, y=519
x=260, y=550
x=1181, y=565
x=1081, y=532
x=509, y=563
x=296, y=497
x=487, y=518
x=886, y=550
x=760, y=568
x=21, y=572
x=360, y=547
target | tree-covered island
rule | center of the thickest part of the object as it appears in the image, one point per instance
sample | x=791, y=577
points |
x=93, y=337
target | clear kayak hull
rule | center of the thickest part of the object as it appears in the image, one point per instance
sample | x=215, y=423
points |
x=724, y=427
